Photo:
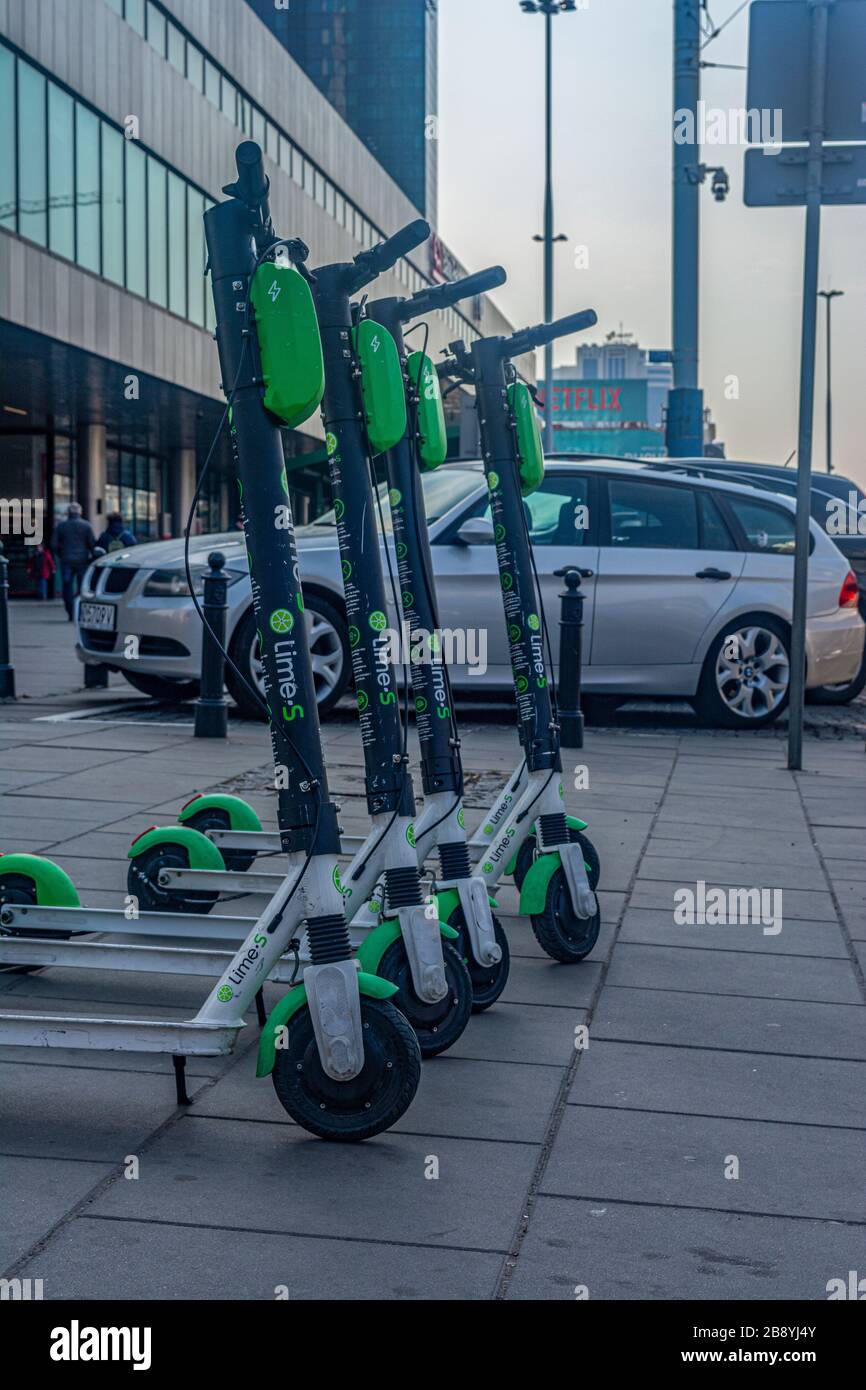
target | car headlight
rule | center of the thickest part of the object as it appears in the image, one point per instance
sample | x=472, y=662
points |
x=172, y=583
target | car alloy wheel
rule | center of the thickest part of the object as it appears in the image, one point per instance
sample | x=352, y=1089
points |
x=326, y=650
x=753, y=672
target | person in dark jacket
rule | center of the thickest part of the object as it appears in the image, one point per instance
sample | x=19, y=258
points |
x=115, y=536
x=73, y=542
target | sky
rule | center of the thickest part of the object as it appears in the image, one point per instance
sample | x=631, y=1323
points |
x=612, y=169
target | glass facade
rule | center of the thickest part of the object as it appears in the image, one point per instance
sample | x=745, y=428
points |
x=133, y=485
x=87, y=193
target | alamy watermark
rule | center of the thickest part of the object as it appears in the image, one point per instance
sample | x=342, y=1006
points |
x=718, y=907
x=444, y=646
x=22, y=517
x=712, y=125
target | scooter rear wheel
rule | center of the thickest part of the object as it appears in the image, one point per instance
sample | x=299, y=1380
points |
x=558, y=930
x=20, y=891
x=437, y=1026
x=529, y=849
x=488, y=981
x=236, y=860
x=142, y=880
x=374, y=1100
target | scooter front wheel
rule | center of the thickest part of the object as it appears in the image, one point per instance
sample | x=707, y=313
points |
x=374, y=1100
x=558, y=929
x=528, y=851
x=142, y=880
x=488, y=981
x=437, y=1026
x=236, y=860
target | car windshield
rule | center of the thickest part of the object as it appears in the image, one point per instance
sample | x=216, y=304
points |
x=443, y=489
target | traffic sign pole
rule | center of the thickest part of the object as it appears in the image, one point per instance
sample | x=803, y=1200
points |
x=817, y=90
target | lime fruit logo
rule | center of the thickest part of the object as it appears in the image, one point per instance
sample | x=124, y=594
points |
x=420, y=705
x=522, y=685
x=499, y=532
x=363, y=700
x=331, y=442
x=408, y=598
x=225, y=994
x=493, y=481
x=281, y=621
x=354, y=636
x=410, y=835
x=395, y=497
x=378, y=621
x=488, y=829
x=335, y=878
x=506, y=581
x=533, y=622
x=339, y=509
x=347, y=570
x=487, y=868
x=401, y=550
x=514, y=632
x=461, y=818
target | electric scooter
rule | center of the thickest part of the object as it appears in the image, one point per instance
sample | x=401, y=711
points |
x=345, y=1062
x=556, y=892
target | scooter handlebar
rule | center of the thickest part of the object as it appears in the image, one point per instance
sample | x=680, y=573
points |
x=253, y=184
x=529, y=338
x=380, y=258
x=443, y=296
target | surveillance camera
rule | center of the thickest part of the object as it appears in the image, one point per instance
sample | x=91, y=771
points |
x=720, y=186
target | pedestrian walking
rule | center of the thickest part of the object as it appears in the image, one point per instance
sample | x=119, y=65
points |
x=116, y=536
x=73, y=542
x=42, y=568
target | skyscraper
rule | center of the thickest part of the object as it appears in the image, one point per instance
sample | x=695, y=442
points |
x=375, y=62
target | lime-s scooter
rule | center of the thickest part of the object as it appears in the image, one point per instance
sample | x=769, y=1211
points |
x=555, y=892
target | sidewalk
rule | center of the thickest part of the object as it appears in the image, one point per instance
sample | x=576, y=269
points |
x=710, y=1048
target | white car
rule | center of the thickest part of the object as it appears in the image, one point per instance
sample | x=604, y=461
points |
x=688, y=593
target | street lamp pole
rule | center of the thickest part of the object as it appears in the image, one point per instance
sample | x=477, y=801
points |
x=548, y=8
x=829, y=296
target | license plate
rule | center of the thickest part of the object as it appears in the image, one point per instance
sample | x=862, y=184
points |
x=101, y=616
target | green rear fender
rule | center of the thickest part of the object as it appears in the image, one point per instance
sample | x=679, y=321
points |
x=373, y=948
x=54, y=887
x=201, y=852
x=533, y=894
x=370, y=985
x=241, y=815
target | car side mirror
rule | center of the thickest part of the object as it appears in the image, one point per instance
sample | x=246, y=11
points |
x=476, y=531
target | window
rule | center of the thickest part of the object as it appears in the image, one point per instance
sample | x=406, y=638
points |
x=156, y=34
x=135, y=15
x=195, y=256
x=652, y=516
x=309, y=178
x=177, y=249
x=112, y=204
x=157, y=254
x=195, y=66
x=87, y=190
x=117, y=6
x=32, y=192
x=341, y=210
x=258, y=127
x=8, y=191
x=61, y=173
x=245, y=115
x=559, y=512
x=271, y=142
x=297, y=166
x=211, y=83
x=229, y=100
x=176, y=49
x=136, y=220
x=768, y=529
x=285, y=155
x=714, y=529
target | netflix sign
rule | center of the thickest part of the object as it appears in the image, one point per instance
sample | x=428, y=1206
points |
x=599, y=404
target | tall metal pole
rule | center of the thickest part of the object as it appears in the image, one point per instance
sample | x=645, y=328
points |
x=817, y=87
x=828, y=296
x=685, y=418
x=548, y=227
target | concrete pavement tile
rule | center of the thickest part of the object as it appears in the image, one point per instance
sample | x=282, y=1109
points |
x=93, y=1259
x=734, y=1024
x=656, y=927
x=295, y=1183
x=804, y=904
x=744, y=1085
x=681, y=1160
x=686, y=870
x=521, y=1033
x=727, y=972
x=624, y=1251
x=545, y=981
x=37, y=1193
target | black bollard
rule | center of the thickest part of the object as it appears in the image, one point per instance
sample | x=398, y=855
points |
x=571, y=656
x=211, y=708
x=7, y=670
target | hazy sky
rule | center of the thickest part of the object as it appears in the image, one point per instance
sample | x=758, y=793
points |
x=612, y=163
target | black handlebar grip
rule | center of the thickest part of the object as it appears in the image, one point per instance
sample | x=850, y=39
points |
x=380, y=258
x=529, y=338
x=252, y=181
x=443, y=296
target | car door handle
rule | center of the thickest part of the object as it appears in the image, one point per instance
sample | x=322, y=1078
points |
x=712, y=573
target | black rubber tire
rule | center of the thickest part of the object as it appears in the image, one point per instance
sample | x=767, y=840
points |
x=238, y=860
x=709, y=705
x=141, y=880
x=488, y=981
x=241, y=644
x=558, y=931
x=21, y=890
x=839, y=694
x=162, y=688
x=591, y=858
x=348, y=1111
x=437, y=1026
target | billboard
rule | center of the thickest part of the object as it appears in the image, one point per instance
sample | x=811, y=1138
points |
x=603, y=417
